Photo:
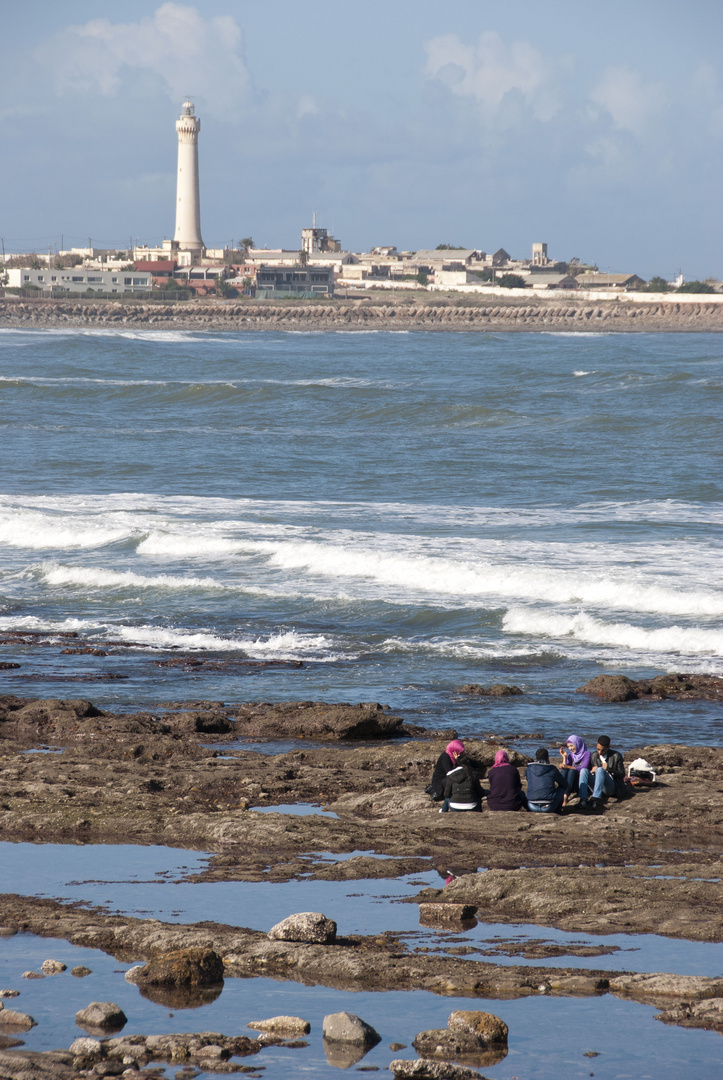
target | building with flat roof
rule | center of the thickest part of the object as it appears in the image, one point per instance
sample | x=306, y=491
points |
x=297, y=281
x=79, y=279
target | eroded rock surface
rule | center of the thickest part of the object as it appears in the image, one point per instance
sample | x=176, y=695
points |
x=662, y=687
x=149, y=778
x=347, y=1028
x=311, y=927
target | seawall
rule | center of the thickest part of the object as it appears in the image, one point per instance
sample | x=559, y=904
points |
x=496, y=316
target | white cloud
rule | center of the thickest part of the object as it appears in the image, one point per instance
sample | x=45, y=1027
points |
x=630, y=101
x=185, y=51
x=307, y=106
x=490, y=70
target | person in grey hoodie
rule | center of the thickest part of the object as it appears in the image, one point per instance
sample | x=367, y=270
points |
x=546, y=785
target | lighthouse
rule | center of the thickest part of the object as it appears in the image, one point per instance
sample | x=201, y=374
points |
x=188, y=211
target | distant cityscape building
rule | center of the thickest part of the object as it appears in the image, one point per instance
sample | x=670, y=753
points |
x=315, y=269
x=539, y=255
x=301, y=281
x=314, y=240
x=79, y=279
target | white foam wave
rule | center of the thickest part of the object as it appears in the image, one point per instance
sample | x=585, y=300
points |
x=49, y=626
x=579, y=374
x=287, y=645
x=92, y=578
x=155, y=336
x=665, y=511
x=37, y=531
x=498, y=582
x=462, y=648
x=179, y=545
x=585, y=628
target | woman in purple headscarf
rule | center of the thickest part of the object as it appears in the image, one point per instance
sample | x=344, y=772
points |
x=505, y=791
x=575, y=768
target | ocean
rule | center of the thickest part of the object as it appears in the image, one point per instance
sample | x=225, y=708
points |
x=382, y=517
x=404, y=513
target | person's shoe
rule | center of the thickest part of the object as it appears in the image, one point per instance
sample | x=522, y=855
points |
x=584, y=804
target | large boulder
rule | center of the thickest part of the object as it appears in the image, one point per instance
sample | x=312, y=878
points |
x=347, y=1028
x=483, y=1025
x=101, y=1016
x=471, y=1037
x=17, y=1021
x=181, y=967
x=310, y=927
x=610, y=688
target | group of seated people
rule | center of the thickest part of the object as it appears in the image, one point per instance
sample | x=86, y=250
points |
x=456, y=779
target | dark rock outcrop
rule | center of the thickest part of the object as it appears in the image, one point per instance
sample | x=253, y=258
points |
x=615, y=688
x=496, y=690
x=319, y=720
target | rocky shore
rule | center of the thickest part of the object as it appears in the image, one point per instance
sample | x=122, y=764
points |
x=478, y=313
x=155, y=778
x=649, y=864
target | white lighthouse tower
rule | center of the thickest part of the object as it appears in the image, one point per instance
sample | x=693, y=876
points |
x=188, y=211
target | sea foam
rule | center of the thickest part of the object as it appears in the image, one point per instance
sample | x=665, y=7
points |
x=585, y=628
x=88, y=577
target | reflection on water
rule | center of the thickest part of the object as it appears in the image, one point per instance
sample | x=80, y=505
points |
x=150, y=882
x=630, y=1042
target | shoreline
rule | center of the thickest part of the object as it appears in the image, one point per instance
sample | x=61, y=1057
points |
x=464, y=314
x=150, y=779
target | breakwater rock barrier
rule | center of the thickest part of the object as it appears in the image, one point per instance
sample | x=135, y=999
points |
x=492, y=315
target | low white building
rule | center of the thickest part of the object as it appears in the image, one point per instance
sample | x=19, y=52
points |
x=79, y=279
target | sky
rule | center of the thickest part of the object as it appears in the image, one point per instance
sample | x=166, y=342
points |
x=594, y=128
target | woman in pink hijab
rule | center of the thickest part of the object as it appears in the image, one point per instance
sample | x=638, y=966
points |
x=505, y=791
x=445, y=763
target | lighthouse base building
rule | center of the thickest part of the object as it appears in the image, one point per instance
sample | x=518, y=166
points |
x=186, y=247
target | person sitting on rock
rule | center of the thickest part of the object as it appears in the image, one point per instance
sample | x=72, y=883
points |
x=607, y=767
x=505, y=791
x=445, y=763
x=546, y=786
x=462, y=790
x=576, y=769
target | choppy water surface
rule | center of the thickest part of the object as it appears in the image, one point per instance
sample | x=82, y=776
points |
x=401, y=512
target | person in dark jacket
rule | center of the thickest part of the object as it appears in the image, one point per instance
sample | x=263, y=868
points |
x=462, y=790
x=445, y=763
x=607, y=767
x=546, y=786
x=505, y=791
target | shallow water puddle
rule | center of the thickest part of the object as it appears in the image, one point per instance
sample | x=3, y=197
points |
x=150, y=882
x=297, y=809
x=544, y=1032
